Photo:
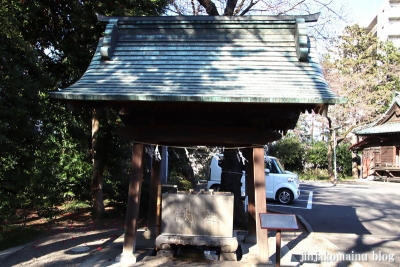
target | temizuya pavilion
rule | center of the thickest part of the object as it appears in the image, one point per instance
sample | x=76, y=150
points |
x=215, y=81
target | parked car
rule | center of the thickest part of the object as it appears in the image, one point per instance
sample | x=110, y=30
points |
x=281, y=185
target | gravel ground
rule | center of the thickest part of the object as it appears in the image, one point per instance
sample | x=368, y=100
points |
x=56, y=247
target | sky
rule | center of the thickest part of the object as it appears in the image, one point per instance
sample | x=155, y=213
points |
x=364, y=10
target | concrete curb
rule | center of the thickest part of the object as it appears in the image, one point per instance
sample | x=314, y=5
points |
x=306, y=224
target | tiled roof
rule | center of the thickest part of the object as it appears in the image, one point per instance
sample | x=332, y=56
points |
x=381, y=125
x=381, y=129
x=256, y=59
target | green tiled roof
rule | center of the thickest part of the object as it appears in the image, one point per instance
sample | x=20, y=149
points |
x=256, y=59
x=381, y=129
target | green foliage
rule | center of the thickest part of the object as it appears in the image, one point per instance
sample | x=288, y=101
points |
x=316, y=155
x=75, y=205
x=22, y=78
x=365, y=71
x=45, y=149
x=192, y=165
x=114, y=153
x=179, y=166
x=389, y=59
x=177, y=179
x=313, y=156
x=314, y=174
x=343, y=160
x=290, y=152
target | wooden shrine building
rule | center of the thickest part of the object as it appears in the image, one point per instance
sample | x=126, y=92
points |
x=380, y=145
x=215, y=81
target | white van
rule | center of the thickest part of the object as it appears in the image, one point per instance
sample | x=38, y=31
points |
x=281, y=185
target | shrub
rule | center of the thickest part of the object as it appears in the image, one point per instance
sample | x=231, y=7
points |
x=316, y=155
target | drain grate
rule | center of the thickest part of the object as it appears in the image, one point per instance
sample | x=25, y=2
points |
x=80, y=249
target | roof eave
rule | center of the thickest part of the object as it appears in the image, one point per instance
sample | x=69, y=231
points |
x=307, y=18
x=183, y=98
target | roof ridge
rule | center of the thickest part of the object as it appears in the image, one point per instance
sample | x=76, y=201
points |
x=203, y=19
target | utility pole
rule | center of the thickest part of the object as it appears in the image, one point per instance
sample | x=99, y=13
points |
x=334, y=151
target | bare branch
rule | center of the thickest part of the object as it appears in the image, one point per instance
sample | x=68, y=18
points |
x=247, y=9
x=343, y=136
x=178, y=10
x=238, y=8
x=291, y=8
x=198, y=9
x=193, y=7
x=331, y=10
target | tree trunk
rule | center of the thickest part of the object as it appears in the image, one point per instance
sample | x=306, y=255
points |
x=230, y=7
x=188, y=173
x=230, y=182
x=354, y=159
x=98, y=170
x=354, y=165
x=210, y=7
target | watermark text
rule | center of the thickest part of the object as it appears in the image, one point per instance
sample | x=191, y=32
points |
x=377, y=256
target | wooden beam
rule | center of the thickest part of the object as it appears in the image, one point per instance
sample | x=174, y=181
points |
x=198, y=136
x=132, y=212
x=260, y=203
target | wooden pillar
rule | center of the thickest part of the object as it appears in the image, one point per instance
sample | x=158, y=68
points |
x=132, y=212
x=158, y=215
x=260, y=203
x=251, y=212
x=152, y=215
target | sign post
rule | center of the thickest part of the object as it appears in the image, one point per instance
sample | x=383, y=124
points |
x=278, y=222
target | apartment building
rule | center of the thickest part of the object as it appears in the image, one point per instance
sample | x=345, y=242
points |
x=386, y=23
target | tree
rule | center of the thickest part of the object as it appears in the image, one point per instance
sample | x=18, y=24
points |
x=355, y=71
x=187, y=165
x=21, y=80
x=180, y=169
x=343, y=159
x=333, y=18
x=316, y=154
x=366, y=72
x=290, y=152
x=48, y=45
